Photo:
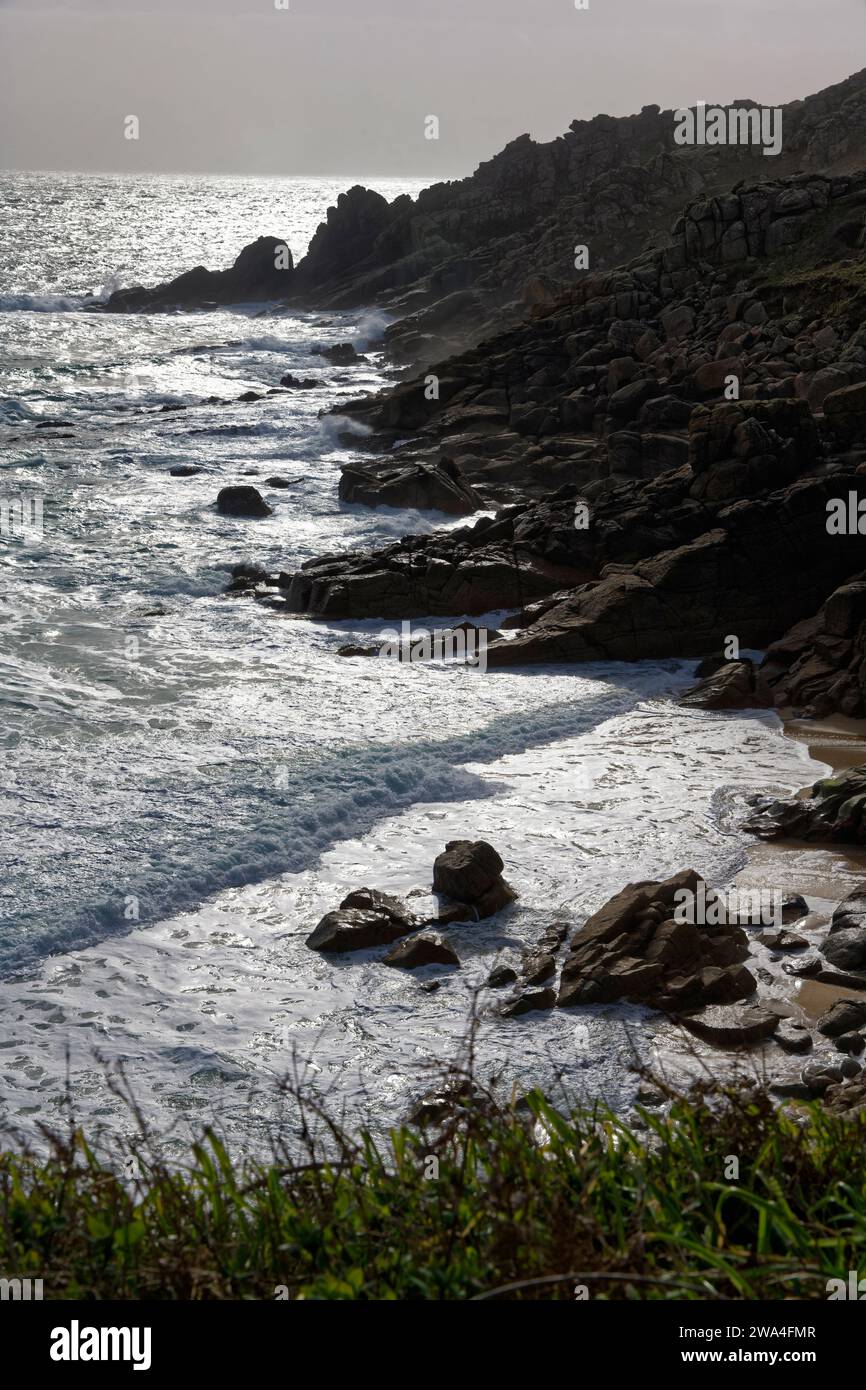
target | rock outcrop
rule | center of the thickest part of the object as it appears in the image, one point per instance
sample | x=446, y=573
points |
x=469, y=257
x=819, y=666
x=263, y=271
x=364, y=918
x=835, y=810
x=242, y=500
x=668, y=509
x=439, y=487
x=635, y=948
x=845, y=944
x=469, y=873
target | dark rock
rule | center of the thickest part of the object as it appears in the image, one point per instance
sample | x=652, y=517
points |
x=793, y=1037
x=846, y=412
x=794, y=906
x=426, y=948
x=852, y=1043
x=296, y=383
x=819, y=666
x=782, y=941
x=835, y=810
x=725, y=1026
x=845, y=946
x=470, y=871
x=353, y=649
x=819, y=1076
x=500, y=976
x=530, y=1001
x=253, y=574
x=254, y=276
x=365, y=918
x=458, y=1094
x=438, y=487
x=184, y=470
x=538, y=968
x=242, y=500
x=845, y=1016
x=340, y=355
x=633, y=948
x=735, y=685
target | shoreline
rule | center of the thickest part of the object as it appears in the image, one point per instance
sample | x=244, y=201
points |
x=823, y=873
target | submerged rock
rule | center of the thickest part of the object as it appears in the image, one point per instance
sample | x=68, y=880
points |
x=340, y=355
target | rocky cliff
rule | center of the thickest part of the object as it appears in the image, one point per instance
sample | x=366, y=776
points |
x=469, y=257
x=675, y=432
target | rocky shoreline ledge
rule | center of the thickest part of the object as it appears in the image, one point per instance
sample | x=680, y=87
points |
x=712, y=963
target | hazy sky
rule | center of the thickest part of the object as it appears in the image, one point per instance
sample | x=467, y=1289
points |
x=342, y=87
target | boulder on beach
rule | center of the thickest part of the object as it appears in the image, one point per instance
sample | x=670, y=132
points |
x=845, y=944
x=734, y=685
x=845, y=1016
x=835, y=810
x=635, y=948
x=732, y=1026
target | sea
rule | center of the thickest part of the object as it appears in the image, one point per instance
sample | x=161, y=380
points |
x=191, y=780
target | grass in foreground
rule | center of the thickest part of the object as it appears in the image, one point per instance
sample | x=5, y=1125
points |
x=524, y=1197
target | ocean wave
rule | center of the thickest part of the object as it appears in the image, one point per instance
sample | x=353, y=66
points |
x=45, y=303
